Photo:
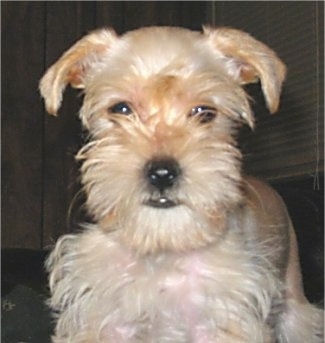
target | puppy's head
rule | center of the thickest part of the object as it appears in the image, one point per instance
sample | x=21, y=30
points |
x=162, y=106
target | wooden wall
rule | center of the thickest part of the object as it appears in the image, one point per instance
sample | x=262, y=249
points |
x=39, y=174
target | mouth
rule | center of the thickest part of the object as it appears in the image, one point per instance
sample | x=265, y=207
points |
x=161, y=202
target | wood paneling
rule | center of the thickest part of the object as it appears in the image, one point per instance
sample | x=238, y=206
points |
x=129, y=15
x=22, y=134
x=137, y=14
x=110, y=14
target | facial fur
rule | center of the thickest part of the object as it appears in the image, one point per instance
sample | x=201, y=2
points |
x=160, y=127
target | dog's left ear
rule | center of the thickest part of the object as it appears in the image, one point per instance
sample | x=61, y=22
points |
x=249, y=61
x=73, y=66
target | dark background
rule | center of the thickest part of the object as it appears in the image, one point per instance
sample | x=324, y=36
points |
x=40, y=189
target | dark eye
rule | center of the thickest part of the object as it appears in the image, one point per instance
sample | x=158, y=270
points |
x=205, y=114
x=121, y=108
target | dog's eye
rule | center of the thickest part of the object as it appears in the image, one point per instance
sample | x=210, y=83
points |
x=205, y=114
x=121, y=108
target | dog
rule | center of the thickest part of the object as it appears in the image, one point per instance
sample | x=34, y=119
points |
x=182, y=248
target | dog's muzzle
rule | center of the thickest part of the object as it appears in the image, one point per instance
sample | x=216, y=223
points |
x=162, y=174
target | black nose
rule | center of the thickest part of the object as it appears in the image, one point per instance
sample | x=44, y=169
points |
x=162, y=173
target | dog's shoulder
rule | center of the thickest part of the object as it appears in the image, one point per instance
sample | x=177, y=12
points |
x=261, y=196
x=267, y=208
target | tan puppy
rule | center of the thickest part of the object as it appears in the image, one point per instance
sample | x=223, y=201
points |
x=184, y=249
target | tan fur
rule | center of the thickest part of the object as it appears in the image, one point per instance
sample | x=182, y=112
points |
x=207, y=257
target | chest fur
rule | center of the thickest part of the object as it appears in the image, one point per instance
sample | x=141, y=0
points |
x=190, y=295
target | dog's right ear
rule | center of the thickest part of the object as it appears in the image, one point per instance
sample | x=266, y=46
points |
x=72, y=67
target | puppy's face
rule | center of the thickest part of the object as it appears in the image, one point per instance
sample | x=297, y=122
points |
x=162, y=106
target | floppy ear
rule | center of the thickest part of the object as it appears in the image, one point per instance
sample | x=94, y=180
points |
x=72, y=67
x=249, y=61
